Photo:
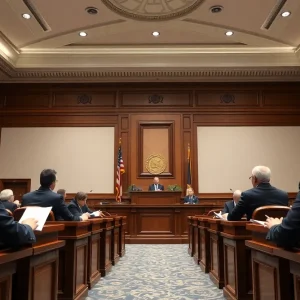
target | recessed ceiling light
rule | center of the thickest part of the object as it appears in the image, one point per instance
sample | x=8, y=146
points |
x=285, y=14
x=82, y=33
x=91, y=10
x=26, y=16
x=155, y=33
x=216, y=9
x=229, y=33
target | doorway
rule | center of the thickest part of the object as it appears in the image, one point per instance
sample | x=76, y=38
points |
x=18, y=186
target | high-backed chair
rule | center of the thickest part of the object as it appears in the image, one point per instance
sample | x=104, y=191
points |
x=273, y=211
x=18, y=213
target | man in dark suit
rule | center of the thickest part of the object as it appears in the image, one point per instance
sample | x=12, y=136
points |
x=45, y=197
x=156, y=186
x=62, y=192
x=286, y=231
x=14, y=234
x=230, y=205
x=262, y=194
x=190, y=198
x=7, y=199
x=78, y=205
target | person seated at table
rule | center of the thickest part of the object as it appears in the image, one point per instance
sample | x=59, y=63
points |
x=78, y=206
x=230, y=205
x=45, y=197
x=7, y=199
x=190, y=198
x=262, y=194
x=156, y=186
x=285, y=232
x=14, y=234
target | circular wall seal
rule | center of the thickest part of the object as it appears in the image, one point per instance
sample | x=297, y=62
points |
x=155, y=164
x=152, y=10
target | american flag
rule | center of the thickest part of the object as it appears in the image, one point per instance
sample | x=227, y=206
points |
x=120, y=171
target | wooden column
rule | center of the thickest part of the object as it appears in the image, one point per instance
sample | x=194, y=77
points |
x=73, y=260
x=204, y=244
x=94, y=251
x=216, y=272
x=115, y=240
x=237, y=265
x=122, y=236
x=37, y=275
x=105, y=246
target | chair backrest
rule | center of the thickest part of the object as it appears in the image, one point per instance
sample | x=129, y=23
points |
x=9, y=212
x=211, y=212
x=18, y=213
x=273, y=211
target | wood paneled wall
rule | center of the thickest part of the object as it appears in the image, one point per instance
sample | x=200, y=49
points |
x=125, y=106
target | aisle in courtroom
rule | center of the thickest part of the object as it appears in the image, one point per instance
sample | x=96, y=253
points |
x=156, y=272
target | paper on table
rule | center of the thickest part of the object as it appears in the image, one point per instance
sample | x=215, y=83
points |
x=219, y=215
x=39, y=213
x=258, y=222
x=95, y=213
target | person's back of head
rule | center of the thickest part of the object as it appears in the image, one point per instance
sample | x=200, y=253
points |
x=6, y=195
x=62, y=192
x=260, y=174
x=48, y=178
x=236, y=195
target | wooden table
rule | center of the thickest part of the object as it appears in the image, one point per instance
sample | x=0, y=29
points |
x=204, y=244
x=195, y=223
x=237, y=265
x=36, y=276
x=191, y=248
x=271, y=274
x=122, y=247
x=73, y=260
x=115, y=240
x=216, y=272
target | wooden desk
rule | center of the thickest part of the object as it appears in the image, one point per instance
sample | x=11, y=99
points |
x=115, y=240
x=155, y=198
x=105, y=246
x=204, y=244
x=196, y=238
x=237, y=265
x=94, y=251
x=191, y=248
x=122, y=236
x=8, y=267
x=271, y=279
x=216, y=272
x=37, y=275
x=73, y=260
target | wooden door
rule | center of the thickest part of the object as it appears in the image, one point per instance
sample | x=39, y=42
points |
x=18, y=186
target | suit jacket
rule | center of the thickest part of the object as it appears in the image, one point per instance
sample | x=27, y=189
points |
x=287, y=234
x=44, y=197
x=194, y=199
x=14, y=234
x=152, y=187
x=262, y=195
x=9, y=205
x=228, y=207
x=76, y=210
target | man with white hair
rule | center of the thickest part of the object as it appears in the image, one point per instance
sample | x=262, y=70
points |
x=262, y=194
x=230, y=205
x=156, y=186
x=7, y=199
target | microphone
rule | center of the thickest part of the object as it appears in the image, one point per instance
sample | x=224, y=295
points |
x=231, y=190
x=91, y=191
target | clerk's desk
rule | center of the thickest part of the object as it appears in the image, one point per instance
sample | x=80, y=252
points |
x=155, y=198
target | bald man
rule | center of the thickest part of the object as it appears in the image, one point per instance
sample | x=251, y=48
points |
x=156, y=186
x=230, y=205
x=262, y=194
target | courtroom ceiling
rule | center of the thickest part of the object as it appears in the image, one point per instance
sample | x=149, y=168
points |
x=155, y=40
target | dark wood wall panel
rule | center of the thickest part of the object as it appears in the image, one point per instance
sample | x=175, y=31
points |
x=125, y=106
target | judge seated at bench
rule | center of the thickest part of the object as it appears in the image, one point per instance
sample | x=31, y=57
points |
x=78, y=206
x=7, y=198
x=262, y=194
x=156, y=186
x=230, y=205
x=190, y=198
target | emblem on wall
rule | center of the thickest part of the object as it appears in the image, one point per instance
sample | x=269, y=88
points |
x=84, y=99
x=155, y=99
x=155, y=164
x=227, y=98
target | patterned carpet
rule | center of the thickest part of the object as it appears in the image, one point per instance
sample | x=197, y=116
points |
x=155, y=272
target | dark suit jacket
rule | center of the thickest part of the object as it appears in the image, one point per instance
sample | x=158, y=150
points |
x=76, y=210
x=152, y=188
x=194, y=199
x=13, y=234
x=9, y=205
x=44, y=197
x=287, y=234
x=228, y=207
x=262, y=195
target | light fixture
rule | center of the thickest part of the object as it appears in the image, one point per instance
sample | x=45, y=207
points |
x=216, y=9
x=26, y=16
x=229, y=33
x=285, y=14
x=91, y=10
x=82, y=33
x=155, y=33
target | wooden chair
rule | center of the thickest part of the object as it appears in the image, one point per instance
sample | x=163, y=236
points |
x=9, y=212
x=18, y=213
x=274, y=211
